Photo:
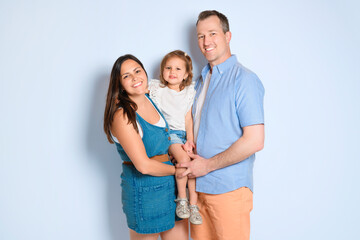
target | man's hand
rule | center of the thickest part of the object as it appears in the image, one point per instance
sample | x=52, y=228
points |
x=198, y=167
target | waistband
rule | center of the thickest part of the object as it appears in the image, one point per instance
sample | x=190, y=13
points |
x=159, y=158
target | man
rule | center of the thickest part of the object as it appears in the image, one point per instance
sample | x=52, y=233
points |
x=228, y=130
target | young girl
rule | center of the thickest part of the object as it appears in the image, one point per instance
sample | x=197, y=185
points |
x=174, y=95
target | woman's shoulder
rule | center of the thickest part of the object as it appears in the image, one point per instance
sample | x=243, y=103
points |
x=119, y=115
x=120, y=118
x=121, y=124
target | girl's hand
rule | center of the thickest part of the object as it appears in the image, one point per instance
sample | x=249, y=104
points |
x=189, y=146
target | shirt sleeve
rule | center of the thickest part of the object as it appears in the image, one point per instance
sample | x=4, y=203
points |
x=155, y=91
x=190, y=96
x=250, y=100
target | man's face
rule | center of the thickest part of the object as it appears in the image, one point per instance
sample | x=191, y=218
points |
x=213, y=42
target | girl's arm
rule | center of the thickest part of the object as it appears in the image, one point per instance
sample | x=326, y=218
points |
x=134, y=147
x=189, y=146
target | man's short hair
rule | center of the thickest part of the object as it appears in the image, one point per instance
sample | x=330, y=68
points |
x=223, y=19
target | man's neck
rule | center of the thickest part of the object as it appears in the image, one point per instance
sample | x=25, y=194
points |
x=218, y=63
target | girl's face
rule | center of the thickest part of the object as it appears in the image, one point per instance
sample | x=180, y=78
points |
x=174, y=72
x=133, y=78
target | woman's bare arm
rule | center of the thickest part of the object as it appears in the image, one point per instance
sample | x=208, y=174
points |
x=133, y=145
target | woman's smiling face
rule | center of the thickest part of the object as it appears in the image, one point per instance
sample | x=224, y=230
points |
x=133, y=78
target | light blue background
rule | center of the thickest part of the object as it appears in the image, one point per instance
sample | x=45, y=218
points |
x=59, y=178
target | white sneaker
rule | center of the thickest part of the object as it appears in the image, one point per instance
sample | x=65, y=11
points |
x=182, y=208
x=195, y=217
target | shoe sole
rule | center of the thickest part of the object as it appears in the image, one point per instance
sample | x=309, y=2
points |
x=184, y=216
x=196, y=223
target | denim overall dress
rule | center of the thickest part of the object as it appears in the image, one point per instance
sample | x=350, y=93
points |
x=148, y=201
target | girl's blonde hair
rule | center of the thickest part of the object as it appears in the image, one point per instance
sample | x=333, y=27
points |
x=188, y=64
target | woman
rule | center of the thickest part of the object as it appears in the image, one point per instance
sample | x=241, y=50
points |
x=141, y=136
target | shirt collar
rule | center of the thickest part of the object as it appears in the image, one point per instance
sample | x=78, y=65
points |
x=220, y=68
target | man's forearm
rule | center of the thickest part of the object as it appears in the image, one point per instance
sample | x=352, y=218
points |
x=251, y=142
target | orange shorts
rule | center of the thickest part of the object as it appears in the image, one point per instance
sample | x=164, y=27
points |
x=225, y=216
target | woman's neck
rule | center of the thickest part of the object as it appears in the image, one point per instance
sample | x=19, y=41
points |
x=140, y=100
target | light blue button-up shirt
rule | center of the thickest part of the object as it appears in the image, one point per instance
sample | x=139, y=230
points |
x=234, y=100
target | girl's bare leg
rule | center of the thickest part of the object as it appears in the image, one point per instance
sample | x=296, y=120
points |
x=181, y=156
x=192, y=191
x=137, y=236
x=179, y=232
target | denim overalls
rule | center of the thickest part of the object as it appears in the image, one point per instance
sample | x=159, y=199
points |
x=148, y=201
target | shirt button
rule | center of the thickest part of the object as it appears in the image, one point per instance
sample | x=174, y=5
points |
x=166, y=129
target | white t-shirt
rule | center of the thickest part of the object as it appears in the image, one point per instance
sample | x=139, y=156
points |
x=174, y=105
x=200, y=104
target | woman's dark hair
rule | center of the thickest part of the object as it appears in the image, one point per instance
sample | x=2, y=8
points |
x=117, y=97
x=188, y=66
